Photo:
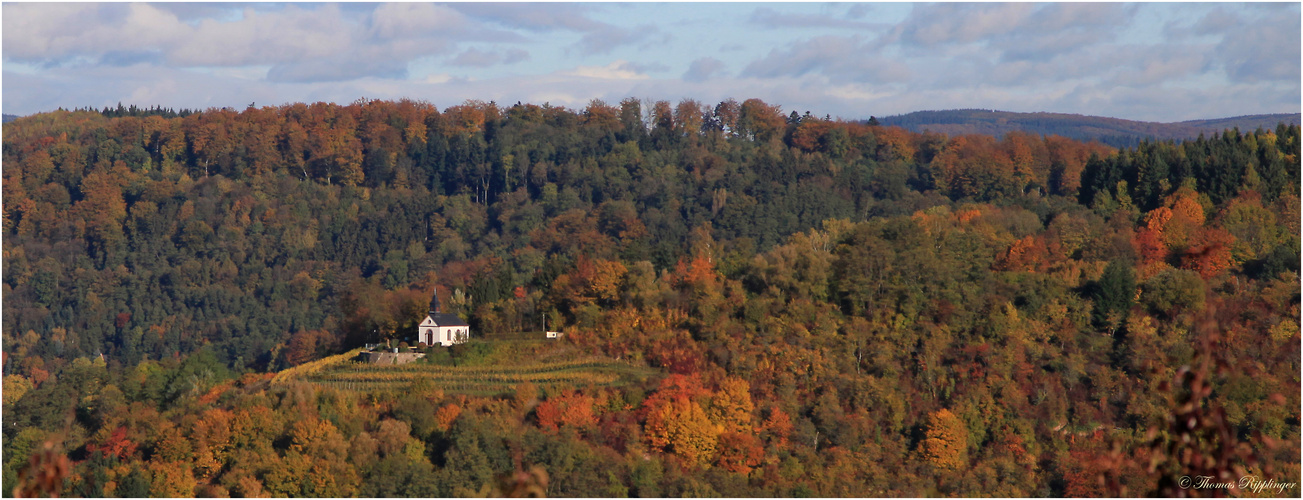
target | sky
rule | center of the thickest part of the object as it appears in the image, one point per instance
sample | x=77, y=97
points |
x=1152, y=61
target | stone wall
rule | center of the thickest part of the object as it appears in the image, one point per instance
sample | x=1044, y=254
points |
x=390, y=358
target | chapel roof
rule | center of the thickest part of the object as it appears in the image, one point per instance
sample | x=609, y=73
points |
x=445, y=319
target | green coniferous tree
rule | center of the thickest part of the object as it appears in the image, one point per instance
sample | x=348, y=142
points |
x=1114, y=293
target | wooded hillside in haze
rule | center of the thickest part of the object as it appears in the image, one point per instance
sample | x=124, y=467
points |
x=1111, y=131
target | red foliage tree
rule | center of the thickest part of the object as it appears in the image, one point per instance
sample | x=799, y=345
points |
x=1210, y=254
x=568, y=409
x=739, y=452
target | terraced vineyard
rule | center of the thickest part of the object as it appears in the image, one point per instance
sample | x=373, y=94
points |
x=478, y=380
x=308, y=369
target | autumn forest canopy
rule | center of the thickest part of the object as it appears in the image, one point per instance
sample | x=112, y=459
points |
x=795, y=305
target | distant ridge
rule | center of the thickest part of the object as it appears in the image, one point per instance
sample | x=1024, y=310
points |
x=9, y=118
x=1115, y=132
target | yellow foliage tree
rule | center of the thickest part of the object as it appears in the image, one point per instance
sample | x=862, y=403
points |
x=211, y=434
x=171, y=480
x=15, y=386
x=681, y=426
x=317, y=438
x=607, y=276
x=946, y=444
x=731, y=407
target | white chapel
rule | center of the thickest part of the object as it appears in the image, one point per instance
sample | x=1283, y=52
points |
x=442, y=328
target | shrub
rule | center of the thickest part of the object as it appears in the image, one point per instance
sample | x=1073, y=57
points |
x=1172, y=291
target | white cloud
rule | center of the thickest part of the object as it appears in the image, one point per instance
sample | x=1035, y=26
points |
x=703, y=69
x=773, y=19
x=933, y=24
x=302, y=43
x=290, y=36
x=606, y=38
x=532, y=16
x=42, y=31
x=477, y=58
x=618, y=70
x=856, y=93
x=251, y=73
x=399, y=20
x=841, y=59
x=437, y=79
x=555, y=98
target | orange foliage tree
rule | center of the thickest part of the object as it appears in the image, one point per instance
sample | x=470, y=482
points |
x=739, y=452
x=1027, y=254
x=681, y=426
x=946, y=444
x=677, y=423
x=444, y=417
x=1210, y=253
x=568, y=409
x=776, y=427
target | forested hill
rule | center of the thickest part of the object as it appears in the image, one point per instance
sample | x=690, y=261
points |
x=759, y=304
x=1245, y=123
x=1111, y=131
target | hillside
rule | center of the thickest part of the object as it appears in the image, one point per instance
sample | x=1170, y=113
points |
x=1111, y=131
x=753, y=306
x=1244, y=123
